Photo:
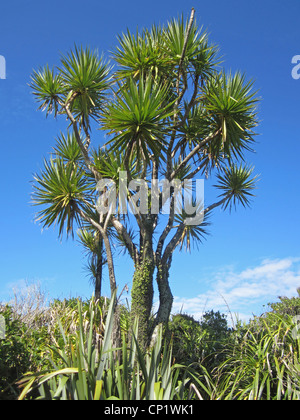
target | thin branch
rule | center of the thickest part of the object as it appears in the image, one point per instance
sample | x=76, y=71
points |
x=180, y=94
x=180, y=229
x=194, y=152
x=190, y=105
x=122, y=231
x=109, y=256
x=172, y=245
x=192, y=17
x=218, y=204
x=166, y=231
x=195, y=171
x=84, y=151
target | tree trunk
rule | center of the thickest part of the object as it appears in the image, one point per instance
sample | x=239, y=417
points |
x=165, y=296
x=116, y=333
x=142, y=300
x=110, y=262
x=142, y=288
x=98, y=278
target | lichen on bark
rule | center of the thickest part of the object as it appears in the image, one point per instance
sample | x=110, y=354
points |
x=142, y=299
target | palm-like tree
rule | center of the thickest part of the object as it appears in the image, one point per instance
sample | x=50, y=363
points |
x=93, y=244
x=64, y=187
x=170, y=111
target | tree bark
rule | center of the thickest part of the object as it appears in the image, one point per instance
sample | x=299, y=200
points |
x=142, y=300
x=142, y=286
x=98, y=277
x=165, y=296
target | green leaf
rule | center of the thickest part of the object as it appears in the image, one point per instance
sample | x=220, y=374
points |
x=61, y=190
x=107, y=336
x=47, y=88
x=231, y=105
x=137, y=119
x=143, y=54
x=237, y=185
x=68, y=150
x=86, y=79
x=98, y=390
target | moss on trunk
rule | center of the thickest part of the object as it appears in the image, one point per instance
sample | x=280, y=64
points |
x=142, y=299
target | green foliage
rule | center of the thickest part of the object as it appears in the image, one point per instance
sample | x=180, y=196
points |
x=110, y=164
x=287, y=306
x=187, y=338
x=70, y=356
x=199, y=342
x=32, y=339
x=258, y=361
x=92, y=372
x=62, y=190
x=140, y=53
x=215, y=324
x=193, y=235
x=138, y=117
x=236, y=184
x=261, y=364
x=22, y=349
x=14, y=354
x=68, y=150
x=231, y=102
x=81, y=81
x=47, y=87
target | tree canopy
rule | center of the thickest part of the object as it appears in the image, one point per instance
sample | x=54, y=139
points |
x=169, y=111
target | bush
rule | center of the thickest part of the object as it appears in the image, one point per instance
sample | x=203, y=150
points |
x=287, y=306
x=263, y=364
x=187, y=335
x=34, y=333
x=258, y=360
x=91, y=372
x=14, y=354
x=199, y=341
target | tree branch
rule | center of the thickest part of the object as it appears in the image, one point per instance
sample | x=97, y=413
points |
x=192, y=17
x=166, y=231
x=122, y=231
x=179, y=94
x=84, y=151
x=172, y=245
x=109, y=256
x=194, y=152
x=176, y=238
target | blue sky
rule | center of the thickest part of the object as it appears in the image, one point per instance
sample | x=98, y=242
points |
x=252, y=256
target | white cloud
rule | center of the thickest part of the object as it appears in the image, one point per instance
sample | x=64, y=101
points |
x=245, y=292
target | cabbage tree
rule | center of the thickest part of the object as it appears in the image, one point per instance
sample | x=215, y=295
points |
x=169, y=111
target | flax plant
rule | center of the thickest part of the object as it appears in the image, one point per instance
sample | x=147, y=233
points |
x=83, y=370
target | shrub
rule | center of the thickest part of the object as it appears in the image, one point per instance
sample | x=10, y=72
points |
x=88, y=372
x=263, y=364
x=187, y=336
x=199, y=341
x=14, y=354
x=288, y=306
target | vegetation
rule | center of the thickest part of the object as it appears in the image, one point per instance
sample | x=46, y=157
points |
x=68, y=354
x=169, y=111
